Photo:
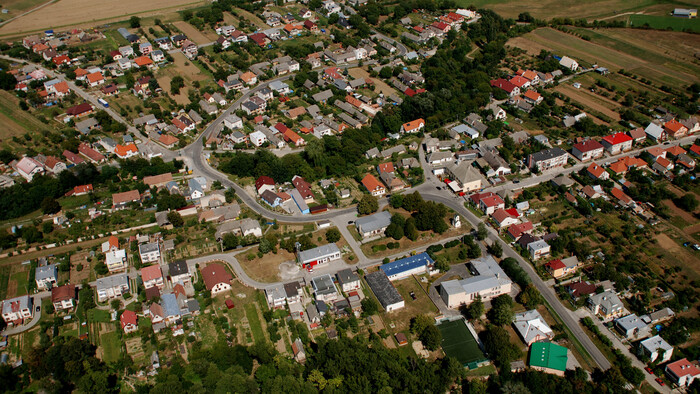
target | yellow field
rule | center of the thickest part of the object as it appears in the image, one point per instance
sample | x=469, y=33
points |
x=89, y=13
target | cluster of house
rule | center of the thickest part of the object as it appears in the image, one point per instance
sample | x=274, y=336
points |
x=387, y=174
x=544, y=355
x=521, y=87
x=422, y=33
x=294, y=198
x=146, y=49
x=28, y=167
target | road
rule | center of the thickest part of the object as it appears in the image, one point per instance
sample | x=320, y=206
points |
x=399, y=46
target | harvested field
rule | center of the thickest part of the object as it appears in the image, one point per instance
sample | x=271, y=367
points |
x=85, y=13
x=683, y=256
x=547, y=9
x=195, y=35
x=84, y=274
x=18, y=7
x=590, y=100
x=15, y=121
x=378, y=83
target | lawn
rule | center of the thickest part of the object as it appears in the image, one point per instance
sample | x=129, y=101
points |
x=98, y=316
x=20, y=279
x=458, y=342
x=254, y=321
x=111, y=344
x=4, y=280
x=665, y=22
x=422, y=305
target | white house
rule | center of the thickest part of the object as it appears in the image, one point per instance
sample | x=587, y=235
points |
x=490, y=282
x=348, y=280
x=46, y=276
x=112, y=286
x=569, y=63
x=656, y=348
x=149, y=252
x=115, y=260
x=531, y=327
x=258, y=138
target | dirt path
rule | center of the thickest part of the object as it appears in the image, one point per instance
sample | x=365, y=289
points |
x=590, y=100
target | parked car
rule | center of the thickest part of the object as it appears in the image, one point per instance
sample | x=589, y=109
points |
x=660, y=382
x=649, y=370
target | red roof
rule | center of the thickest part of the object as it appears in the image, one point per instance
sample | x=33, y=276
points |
x=492, y=201
x=555, y=265
x=82, y=189
x=303, y=187
x=215, y=273
x=695, y=149
x=143, y=61
x=95, y=77
x=128, y=318
x=371, y=183
x=62, y=293
x=675, y=150
x=61, y=59
x=500, y=215
x=596, y=170
x=532, y=95
x=519, y=81
x=124, y=150
x=617, y=138
x=412, y=125
x=581, y=288
x=263, y=180
x=683, y=367
x=674, y=126
x=79, y=109
x=503, y=84
x=588, y=146
x=84, y=149
x=151, y=272
x=663, y=162
x=519, y=229
x=386, y=167
x=620, y=195
x=167, y=139
x=259, y=38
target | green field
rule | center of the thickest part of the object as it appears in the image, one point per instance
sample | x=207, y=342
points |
x=665, y=22
x=4, y=281
x=254, y=321
x=111, y=345
x=98, y=316
x=21, y=279
x=459, y=343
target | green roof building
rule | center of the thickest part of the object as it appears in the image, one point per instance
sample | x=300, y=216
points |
x=548, y=357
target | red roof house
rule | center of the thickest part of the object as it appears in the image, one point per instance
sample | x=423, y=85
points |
x=216, y=278
x=129, y=321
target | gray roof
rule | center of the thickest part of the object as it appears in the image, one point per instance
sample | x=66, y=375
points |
x=112, y=281
x=148, y=247
x=374, y=222
x=84, y=126
x=23, y=301
x=320, y=251
x=322, y=96
x=548, y=154
x=193, y=305
x=382, y=288
x=531, y=325
x=607, y=299
x=656, y=343
x=490, y=275
x=169, y=303
x=46, y=272
x=178, y=267
x=630, y=323
x=347, y=276
x=323, y=285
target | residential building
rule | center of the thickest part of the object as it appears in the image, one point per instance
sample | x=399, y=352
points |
x=682, y=372
x=579, y=289
x=129, y=321
x=675, y=129
x=547, y=159
x=373, y=186
x=489, y=283
x=28, y=168
x=587, y=150
x=121, y=200
x=538, y=249
x=632, y=327
x=348, y=280
x=656, y=349
x=569, y=63
x=179, y=272
x=373, y=225
x=112, y=286
x=606, y=304
x=46, y=276
x=560, y=268
x=597, y=172
x=216, y=278
x=467, y=177
x=293, y=292
x=617, y=143
x=413, y=126
x=115, y=260
x=152, y=277
x=324, y=288
x=275, y=296
x=488, y=202
x=16, y=311
x=149, y=252
x=319, y=255
x=413, y=265
x=386, y=293
x=531, y=327
x=548, y=358
x=63, y=297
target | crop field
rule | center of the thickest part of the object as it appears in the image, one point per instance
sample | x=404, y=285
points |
x=195, y=35
x=66, y=13
x=15, y=122
x=665, y=22
x=547, y=9
x=629, y=51
x=17, y=7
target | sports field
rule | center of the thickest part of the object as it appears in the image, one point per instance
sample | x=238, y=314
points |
x=665, y=22
x=459, y=343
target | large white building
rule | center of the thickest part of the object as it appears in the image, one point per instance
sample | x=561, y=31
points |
x=16, y=310
x=489, y=283
x=149, y=252
x=413, y=265
x=319, y=255
x=112, y=287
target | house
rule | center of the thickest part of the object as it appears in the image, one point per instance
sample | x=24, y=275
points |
x=16, y=311
x=547, y=159
x=538, y=249
x=196, y=190
x=504, y=218
x=533, y=97
x=264, y=183
x=121, y=200
x=216, y=278
x=28, y=168
x=293, y=292
x=531, y=327
x=655, y=348
x=386, y=293
x=506, y=86
x=348, y=280
x=517, y=230
x=112, y=286
x=275, y=296
x=521, y=82
x=126, y=151
x=413, y=126
x=569, y=63
x=179, y=272
x=655, y=132
x=617, y=143
x=243, y=227
x=319, y=255
x=129, y=321
x=143, y=61
x=158, y=180
x=373, y=225
x=675, y=129
x=112, y=243
x=324, y=289
x=579, y=289
x=488, y=202
x=489, y=283
x=597, y=172
x=152, y=277
x=115, y=260
x=257, y=138
x=632, y=327
x=638, y=135
x=606, y=304
x=271, y=198
x=497, y=112
x=95, y=79
x=171, y=310
x=408, y=266
x=46, y=276
x=587, y=150
x=548, y=358
x=149, y=252
x=682, y=372
x=63, y=297
x=466, y=176
x=560, y=268
x=303, y=187
x=298, y=350
x=373, y=186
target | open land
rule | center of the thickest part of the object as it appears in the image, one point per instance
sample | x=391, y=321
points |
x=378, y=83
x=590, y=100
x=665, y=22
x=195, y=35
x=84, y=13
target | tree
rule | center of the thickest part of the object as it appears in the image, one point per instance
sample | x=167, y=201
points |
x=115, y=304
x=369, y=306
x=368, y=205
x=497, y=344
x=475, y=309
x=49, y=206
x=175, y=219
x=688, y=202
x=395, y=231
x=230, y=241
x=481, y=232
x=495, y=249
x=442, y=264
x=431, y=337
x=410, y=230
x=134, y=22
x=501, y=312
x=333, y=235
x=530, y=297
x=396, y=200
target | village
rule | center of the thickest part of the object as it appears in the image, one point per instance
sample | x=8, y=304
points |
x=288, y=174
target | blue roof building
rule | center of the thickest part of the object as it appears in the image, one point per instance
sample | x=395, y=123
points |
x=412, y=265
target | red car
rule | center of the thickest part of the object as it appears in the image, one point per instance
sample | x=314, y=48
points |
x=649, y=370
x=660, y=382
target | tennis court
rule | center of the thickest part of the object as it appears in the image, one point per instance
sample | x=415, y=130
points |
x=458, y=342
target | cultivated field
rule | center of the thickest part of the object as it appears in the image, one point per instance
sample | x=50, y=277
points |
x=590, y=100
x=18, y=7
x=628, y=50
x=87, y=13
x=576, y=9
x=195, y=35
x=665, y=22
x=14, y=121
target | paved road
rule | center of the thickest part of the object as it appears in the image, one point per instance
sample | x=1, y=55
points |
x=399, y=46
